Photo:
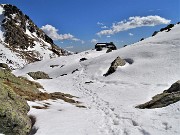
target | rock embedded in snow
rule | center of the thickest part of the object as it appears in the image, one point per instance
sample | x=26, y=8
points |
x=52, y=66
x=174, y=87
x=170, y=96
x=116, y=63
x=109, y=50
x=82, y=59
x=167, y=29
x=39, y=75
x=3, y=65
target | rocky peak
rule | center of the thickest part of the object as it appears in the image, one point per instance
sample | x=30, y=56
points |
x=15, y=17
x=23, y=37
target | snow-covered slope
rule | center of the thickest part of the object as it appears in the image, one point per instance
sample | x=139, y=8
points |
x=152, y=66
x=26, y=42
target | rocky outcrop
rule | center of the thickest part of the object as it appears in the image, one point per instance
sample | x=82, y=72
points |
x=82, y=59
x=13, y=113
x=167, y=29
x=174, y=87
x=16, y=23
x=13, y=107
x=116, y=63
x=3, y=65
x=164, y=99
x=23, y=37
x=39, y=75
x=109, y=50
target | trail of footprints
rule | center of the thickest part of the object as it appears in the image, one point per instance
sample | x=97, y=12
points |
x=112, y=123
x=111, y=120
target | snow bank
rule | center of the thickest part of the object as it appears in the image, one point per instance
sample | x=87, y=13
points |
x=111, y=100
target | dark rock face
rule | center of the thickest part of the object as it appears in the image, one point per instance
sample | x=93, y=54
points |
x=156, y=32
x=167, y=29
x=170, y=96
x=52, y=66
x=109, y=50
x=39, y=75
x=16, y=26
x=13, y=113
x=117, y=62
x=15, y=33
x=82, y=59
x=124, y=45
x=174, y=87
x=3, y=65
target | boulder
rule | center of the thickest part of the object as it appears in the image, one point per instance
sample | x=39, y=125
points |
x=170, y=96
x=116, y=63
x=5, y=66
x=175, y=87
x=13, y=113
x=82, y=59
x=109, y=50
x=39, y=75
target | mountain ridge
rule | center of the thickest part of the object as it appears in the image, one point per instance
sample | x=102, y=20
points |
x=24, y=39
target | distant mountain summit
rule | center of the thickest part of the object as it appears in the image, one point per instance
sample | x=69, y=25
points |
x=21, y=41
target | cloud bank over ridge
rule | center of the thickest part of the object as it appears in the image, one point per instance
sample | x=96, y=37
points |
x=134, y=22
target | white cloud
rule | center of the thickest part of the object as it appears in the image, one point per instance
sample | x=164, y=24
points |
x=134, y=22
x=94, y=41
x=130, y=34
x=153, y=10
x=100, y=23
x=104, y=27
x=52, y=32
x=108, y=36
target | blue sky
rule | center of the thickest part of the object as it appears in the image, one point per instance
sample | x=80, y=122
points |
x=75, y=23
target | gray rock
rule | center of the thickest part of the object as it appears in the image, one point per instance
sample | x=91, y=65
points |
x=109, y=50
x=174, y=87
x=3, y=65
x=39, y=75
x=116, y=63
x=13, y=113
x=82, y=59
x=170, y=96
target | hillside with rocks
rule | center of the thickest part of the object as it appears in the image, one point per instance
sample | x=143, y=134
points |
x=130, y=91
x=134, y=90
x=21, y=41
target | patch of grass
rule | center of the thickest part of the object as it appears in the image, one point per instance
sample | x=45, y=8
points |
x=20, y=83
x=29, y=89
